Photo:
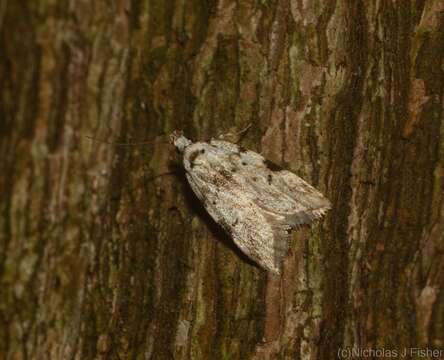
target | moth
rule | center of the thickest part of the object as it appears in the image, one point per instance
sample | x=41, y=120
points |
x=254, y=200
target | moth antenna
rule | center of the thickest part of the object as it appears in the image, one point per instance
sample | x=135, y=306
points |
x=119, y=143
x=161, y=174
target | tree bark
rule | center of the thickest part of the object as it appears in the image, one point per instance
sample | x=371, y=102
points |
x=105, y=253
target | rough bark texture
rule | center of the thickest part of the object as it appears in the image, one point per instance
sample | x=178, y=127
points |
x=99, y=258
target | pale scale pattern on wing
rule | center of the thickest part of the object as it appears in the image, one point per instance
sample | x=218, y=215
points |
x=251, y=198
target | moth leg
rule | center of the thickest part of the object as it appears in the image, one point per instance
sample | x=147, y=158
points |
x=235, y=137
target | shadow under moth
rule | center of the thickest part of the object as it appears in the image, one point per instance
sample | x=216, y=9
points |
x=254, y=200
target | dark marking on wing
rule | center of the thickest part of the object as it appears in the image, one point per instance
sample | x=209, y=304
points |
x=269, y=178
x=225, y=226
x=226, y=174
x=272, y=166
x=193, y=157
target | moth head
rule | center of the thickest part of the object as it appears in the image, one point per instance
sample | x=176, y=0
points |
x=179, y=141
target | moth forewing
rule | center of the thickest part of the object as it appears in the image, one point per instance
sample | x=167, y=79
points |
x=255, y=201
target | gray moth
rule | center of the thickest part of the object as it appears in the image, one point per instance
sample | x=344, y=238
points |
x=254, y=200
